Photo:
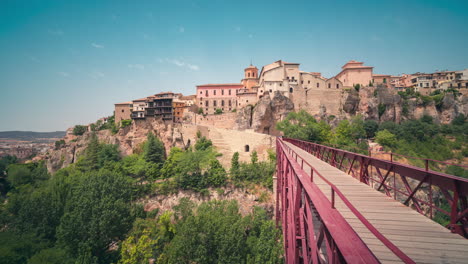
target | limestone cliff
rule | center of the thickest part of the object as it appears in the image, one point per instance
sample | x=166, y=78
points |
x=383, y=104
x=127, y=139
x=263, y=117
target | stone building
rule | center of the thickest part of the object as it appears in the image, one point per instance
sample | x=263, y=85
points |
x=160, y=105
x=139, y=106
x=278, y=76
x=123, y=111
x=178, y=108
x=217, y=96
x=354, y=72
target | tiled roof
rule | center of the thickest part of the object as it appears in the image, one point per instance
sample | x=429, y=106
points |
x=221, y=84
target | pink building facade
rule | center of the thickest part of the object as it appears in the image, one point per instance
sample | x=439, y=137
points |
x=354, y=72
x=217, y=96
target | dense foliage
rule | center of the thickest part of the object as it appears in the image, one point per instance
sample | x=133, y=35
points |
x=214, y=232
x=83, y=213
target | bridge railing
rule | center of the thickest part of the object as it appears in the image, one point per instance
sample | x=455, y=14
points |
x=439, y=196
x=313, y=230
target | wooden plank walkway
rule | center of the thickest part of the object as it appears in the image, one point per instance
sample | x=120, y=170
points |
x=422, y=239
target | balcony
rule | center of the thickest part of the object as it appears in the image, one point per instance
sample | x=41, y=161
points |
x=137, y=116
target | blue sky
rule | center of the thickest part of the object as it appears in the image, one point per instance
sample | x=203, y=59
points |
x=67, y=62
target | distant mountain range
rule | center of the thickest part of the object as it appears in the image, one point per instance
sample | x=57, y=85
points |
x=30, y=135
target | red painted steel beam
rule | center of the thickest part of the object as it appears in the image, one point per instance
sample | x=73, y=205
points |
x=350, y=245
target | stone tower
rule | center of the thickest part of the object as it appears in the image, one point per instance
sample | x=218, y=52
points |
x=250, y=77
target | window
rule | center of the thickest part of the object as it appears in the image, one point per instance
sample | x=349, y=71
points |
x=459, y=86
x=329, y=85
x=384, y=80
x=337, y=86
x=281, y=84
x=420, y=84
x=302, y=82
x=214, y=103
x=214, y=92
x=206, y=103
x=308, y=81
x=201, y=92
x=222, y=92
x=201, y=103
x=222, y=102
x=253, y=74
x=122, y=110
x=229, y=91
x=246, y=101
x=246, y=148
x=229, y=102
x=290, y=89
x=206, y=93
x=318, y=85
x=270, y=90
x=248, y=74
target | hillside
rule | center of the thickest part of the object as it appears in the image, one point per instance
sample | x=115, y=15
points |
x=31, y=135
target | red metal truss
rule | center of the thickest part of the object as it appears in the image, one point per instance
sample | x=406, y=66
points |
x=429, y=192
x=313, y=230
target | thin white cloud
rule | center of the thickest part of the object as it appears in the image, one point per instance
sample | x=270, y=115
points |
x=250, y=36
x=97, y=74
x=64, y=74
x=375, y=38
x=193, y=67
x=136, y=66
x=181, y=29
x=183, y=64
x=55, y=32
x=237, y=29
x=97, y=46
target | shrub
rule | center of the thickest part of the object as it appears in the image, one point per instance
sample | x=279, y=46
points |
x=79, y=130
x=218, y=111
x=357, y=87
x=125, y=123
x=386, y=138
x=381, y=109
x=59, y=143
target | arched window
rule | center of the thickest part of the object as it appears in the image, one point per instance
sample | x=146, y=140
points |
x=246, y=148
x=248, y=74
x=290, y=89
x=337, y=86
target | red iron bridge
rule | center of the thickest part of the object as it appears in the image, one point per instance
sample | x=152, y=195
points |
x=337, y=206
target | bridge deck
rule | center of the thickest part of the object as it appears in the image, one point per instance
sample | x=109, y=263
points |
x=419, y=237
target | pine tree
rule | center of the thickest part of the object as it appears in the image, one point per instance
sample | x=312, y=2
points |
x=92, y=152
x=154, y=149
x=235, y=166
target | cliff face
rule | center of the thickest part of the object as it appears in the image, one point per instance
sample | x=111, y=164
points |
x=383, y=104
x=127, y=139
x=263, y=117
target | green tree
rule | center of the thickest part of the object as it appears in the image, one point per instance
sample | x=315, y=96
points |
x=216, y=174
x=235, y=166
x=154, y=149
x=97, y=213
x=79, y=130
x=51, y=256
x=386, y=138
x=302, y=125
x=371, y=127
x=203, y=143
x=254, y=157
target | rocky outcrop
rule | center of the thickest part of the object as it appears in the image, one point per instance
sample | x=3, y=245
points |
x=128, y=139
x=383, y=104
x=263, y=117
x=247, y=199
